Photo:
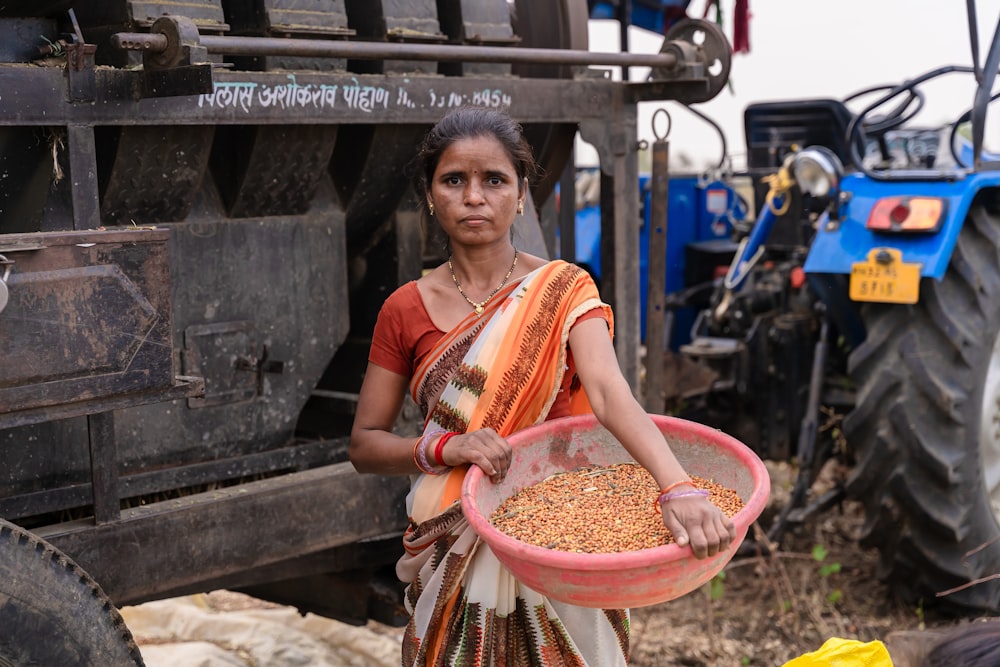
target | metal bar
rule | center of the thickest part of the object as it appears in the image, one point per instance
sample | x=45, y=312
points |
x=614, y=138
x=83, y=171
x=657, y=276
x=274, y=97
x=184, y=387
x=303, y=456
x=567, y=212
x=138, y=557
x=272, y=46
x=626, y=257
x=807, y=437
x=624, y=23
x=104, y=467
x=369, y=553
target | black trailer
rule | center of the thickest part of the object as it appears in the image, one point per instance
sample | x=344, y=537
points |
x=202, y=207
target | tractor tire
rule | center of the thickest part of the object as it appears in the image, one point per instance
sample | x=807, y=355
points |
x=926, y=429
x=52, y=612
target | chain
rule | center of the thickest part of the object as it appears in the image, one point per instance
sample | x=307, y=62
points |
x=479, y=307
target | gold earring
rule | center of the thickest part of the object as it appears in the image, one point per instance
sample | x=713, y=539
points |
x=430, y=208
x=520, y=208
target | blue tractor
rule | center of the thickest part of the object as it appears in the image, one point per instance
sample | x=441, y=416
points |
x=702, y=211
x=859, y=320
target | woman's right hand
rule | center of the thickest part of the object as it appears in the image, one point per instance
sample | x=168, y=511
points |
x=699, y=523
x=484, y=448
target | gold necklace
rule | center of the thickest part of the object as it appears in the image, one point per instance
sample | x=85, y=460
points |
x=482, y=304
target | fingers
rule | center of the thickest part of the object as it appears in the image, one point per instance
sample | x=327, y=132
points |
x=484, y=448
x=697, y=523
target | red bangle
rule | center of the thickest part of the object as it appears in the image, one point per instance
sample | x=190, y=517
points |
x=439, y=447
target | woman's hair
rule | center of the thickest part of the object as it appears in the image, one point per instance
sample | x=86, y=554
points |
x=469, y=122
x=975, y=644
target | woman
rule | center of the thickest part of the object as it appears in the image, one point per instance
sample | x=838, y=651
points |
x=490, y=342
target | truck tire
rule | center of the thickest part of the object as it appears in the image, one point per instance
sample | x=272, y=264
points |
x=926, y=429
x=52, y=612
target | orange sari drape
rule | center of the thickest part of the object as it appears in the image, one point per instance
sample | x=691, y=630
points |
x=501, y=370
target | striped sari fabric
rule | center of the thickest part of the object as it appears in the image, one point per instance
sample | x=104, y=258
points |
x=501, y=370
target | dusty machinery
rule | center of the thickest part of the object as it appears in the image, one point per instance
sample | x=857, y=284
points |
x=202, y=207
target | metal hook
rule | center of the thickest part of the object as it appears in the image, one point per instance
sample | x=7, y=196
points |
x=657, y=135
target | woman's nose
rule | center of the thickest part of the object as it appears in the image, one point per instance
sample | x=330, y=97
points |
x=474, y=193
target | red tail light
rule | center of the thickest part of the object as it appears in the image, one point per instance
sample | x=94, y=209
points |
x=907, y=214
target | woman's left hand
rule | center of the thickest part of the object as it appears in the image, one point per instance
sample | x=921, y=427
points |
x=484, y=448
x=697, y=521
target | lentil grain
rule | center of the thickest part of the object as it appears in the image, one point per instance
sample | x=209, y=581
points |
x=599, y=509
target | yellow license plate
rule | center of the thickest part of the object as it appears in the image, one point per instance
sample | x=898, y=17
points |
x=893, y=281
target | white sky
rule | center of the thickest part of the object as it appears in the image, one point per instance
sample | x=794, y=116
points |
x=803, y=48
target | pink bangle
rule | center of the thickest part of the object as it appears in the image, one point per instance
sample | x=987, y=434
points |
x=670, y=487
x=667, y=497
x=420, y=454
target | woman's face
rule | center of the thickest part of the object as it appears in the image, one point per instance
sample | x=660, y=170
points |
x=475, y=191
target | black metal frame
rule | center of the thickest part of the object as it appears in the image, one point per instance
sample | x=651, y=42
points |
x=332, y=505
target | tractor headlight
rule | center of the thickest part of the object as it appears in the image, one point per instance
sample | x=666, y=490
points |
x=818, y=171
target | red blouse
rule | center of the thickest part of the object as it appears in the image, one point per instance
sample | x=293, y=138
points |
x=404, y=334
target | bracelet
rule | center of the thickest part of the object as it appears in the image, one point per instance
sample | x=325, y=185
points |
x=420, y=453
x=439, y=447
x=426, y=465
x=667, y=497
x=670, y=487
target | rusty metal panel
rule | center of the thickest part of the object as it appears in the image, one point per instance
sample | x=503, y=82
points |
x=403, y=17
x=477, y=22
x=205, y=13
x=152, y=173
x=289, y=18
x=88, y=316
x=268, y=170
x=34, y=7
x=215, y=352
x=298, y=16
x=397, y=21
x=130, y=14
x=140, y=556
x=286, y=279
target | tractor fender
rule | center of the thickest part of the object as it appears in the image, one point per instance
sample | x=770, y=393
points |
x=839, y=244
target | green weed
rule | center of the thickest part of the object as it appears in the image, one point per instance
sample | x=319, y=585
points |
x=826, y=571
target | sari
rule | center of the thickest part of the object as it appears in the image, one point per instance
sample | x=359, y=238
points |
x=501, y=370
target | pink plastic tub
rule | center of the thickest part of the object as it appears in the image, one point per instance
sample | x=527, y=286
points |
x=619, y=580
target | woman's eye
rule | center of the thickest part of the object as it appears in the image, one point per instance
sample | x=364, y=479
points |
x=453, y=180
x=495, y=180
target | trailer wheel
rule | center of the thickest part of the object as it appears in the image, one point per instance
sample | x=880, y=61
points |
x=926, y=429
x=52, y=612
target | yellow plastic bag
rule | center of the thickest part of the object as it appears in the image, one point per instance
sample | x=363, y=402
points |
x=836, y=652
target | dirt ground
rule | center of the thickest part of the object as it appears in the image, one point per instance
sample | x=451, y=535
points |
x=819, y=583
x=771, y=608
